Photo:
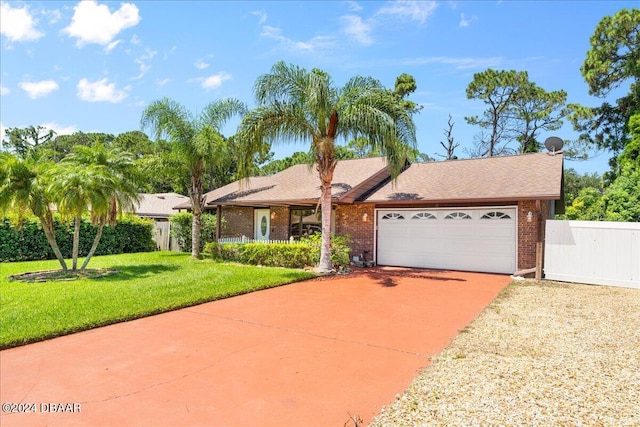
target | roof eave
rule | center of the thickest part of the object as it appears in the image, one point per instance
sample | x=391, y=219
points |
x=373, y=181
x=465, y=200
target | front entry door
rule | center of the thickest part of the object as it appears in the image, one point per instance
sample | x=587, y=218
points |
x=261, y=224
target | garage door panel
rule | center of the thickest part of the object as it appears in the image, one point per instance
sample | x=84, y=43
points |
x=458, y=238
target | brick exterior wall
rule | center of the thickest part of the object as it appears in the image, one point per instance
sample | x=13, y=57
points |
x=279, y=223
x=238, y=221
x=357, y=220
x=528, y=231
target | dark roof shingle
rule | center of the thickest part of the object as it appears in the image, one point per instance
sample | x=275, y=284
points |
x=527, y=176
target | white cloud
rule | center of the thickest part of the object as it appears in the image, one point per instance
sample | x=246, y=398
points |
x=100, y=90
x=356, y=29
x=94, y=23
x=308, y=46
x=162, y=82
x=465, y=22
x=135, y=40
x=39, y=89
x=17, y=24
x=200, y=64
x=215, y=81
x=59, y=129
x=143, y=62
x=4, y=91
x=353, y=6
x=52, y=15
x=261, y=15
x=413, y=10
x=111, y=45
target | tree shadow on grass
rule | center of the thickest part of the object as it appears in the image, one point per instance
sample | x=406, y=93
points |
x=130, y=272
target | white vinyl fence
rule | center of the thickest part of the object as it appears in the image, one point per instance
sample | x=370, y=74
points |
x=593, y=252
x=162, y=237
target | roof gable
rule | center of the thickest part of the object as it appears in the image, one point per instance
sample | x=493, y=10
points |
x=301, y=184
x=527, y=176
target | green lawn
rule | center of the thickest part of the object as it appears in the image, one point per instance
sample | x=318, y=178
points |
x=148, y=283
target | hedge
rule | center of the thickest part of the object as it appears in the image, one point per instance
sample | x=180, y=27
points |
x=300, y=255
x=181, y=226
x=28, y=243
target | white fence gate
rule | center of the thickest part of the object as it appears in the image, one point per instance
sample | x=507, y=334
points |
x=162, y=237
x=593, y=252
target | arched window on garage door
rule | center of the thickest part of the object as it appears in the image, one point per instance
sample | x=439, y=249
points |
x=458, y=215
x=392, y=215
x=423, y=215
x=495, y=215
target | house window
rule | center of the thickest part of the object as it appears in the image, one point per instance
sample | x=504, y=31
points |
x=458, y=215
x=306, y=221
x=423, y=215
x=495, y=215
x=392, y=215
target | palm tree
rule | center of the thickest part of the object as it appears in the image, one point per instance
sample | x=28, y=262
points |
x=196, y=141
x=110, y=173
x=24, y=186
x=76, y=187
x=295, y=105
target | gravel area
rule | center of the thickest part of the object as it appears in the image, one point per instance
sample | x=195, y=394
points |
x=542, y=354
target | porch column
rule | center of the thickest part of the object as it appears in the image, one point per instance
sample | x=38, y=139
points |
x=218, y=222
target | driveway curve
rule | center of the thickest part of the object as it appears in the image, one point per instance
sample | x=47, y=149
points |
x=313, y=353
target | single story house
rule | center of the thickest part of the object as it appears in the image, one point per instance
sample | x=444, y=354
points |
x=475, y=214
x=158, y=207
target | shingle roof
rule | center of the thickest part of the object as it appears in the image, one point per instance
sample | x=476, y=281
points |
x=158, y=205
x=528, y=176
x=493, y=179
x=301, y=184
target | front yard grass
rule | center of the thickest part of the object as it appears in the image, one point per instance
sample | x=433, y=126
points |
x=146, y=284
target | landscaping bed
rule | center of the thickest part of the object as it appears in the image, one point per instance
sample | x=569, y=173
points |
x=541, y=354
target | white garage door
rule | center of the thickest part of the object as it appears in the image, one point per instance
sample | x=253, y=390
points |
x=468, y=239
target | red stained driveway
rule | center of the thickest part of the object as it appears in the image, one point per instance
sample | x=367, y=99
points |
x=310, y=353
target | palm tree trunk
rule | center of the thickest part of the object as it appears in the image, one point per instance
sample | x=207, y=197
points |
x=325, y=265
x=47, y=226
x=76, y=243
x=326, y=164
x=197, y=203
x=196, y=231
x=94, y=246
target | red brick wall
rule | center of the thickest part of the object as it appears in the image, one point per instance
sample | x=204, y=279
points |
x=357, y=220
x=279, y=223
x=528, y=231
x=238, y=221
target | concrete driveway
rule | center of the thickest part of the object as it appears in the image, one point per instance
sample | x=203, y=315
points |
x=314, y=353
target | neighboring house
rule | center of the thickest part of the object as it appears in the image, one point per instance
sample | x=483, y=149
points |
x=477, y=214
x=158, y=207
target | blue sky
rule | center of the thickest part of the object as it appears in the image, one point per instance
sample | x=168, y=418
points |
x=93, y=66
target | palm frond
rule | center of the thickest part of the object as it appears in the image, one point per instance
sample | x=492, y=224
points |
x=217, y=113
x=167, y=118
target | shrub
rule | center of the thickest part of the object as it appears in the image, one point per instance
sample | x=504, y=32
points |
x=28, y=242
x=181, y=224
x=340, y=250
x=304, y=254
